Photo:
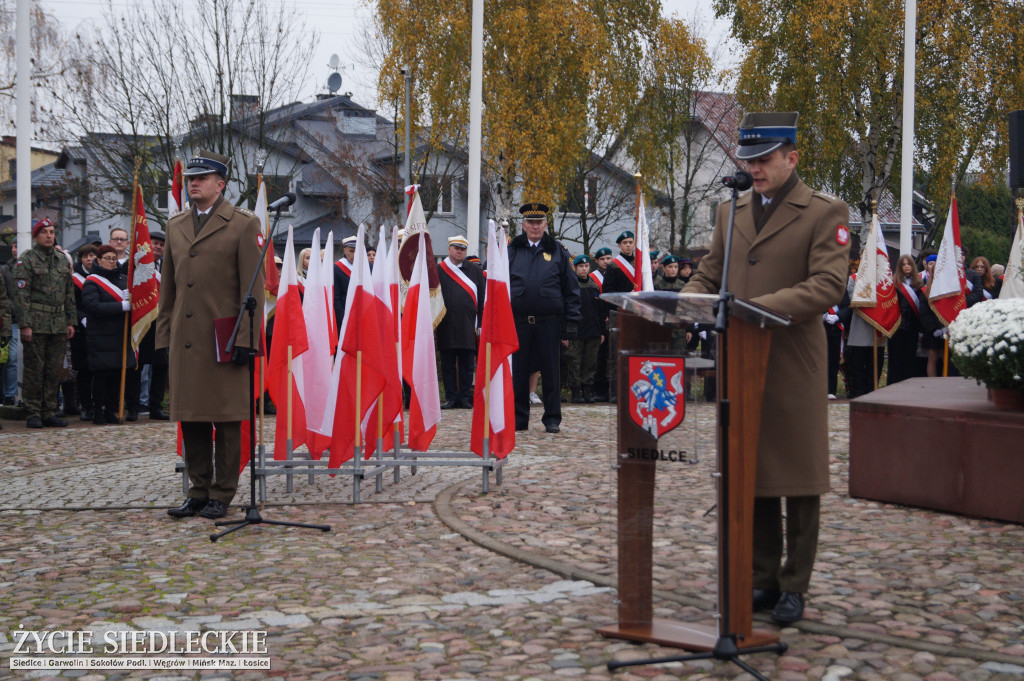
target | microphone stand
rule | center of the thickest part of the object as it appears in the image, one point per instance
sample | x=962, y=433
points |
x=726, y=647
x=252, y=512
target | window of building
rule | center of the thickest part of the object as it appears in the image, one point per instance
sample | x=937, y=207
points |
x=576, y=197
x=436, y=194
x=12, y=166
x=163, y=188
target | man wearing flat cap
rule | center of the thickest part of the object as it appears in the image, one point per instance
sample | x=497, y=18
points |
x=790, y=250
x=546, y=310
x=462, y=287
x=210, y=255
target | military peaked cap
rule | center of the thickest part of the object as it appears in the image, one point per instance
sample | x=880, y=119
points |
x=206, y=162
x=763, y=133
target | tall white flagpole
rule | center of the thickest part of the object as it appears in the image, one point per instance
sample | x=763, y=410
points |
x=23, y=126
x=907, y=165
x=476, y=104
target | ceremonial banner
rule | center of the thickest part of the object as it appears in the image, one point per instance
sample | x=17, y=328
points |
x=417, y=224
x=644, y=279
x=315, y=363
x=143, y=282
x=1013, y=277
x=874, y=294
x=284, y=373
x=419, y=363
x=947, y=286
x=272, y=279
x=177, y=198
x=498, y=329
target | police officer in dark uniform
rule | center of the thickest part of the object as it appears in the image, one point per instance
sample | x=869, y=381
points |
x=546, y=309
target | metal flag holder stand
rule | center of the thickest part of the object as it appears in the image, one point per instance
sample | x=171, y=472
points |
x=732, y=636
x=252, y=512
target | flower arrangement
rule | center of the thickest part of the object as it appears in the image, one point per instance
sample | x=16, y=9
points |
x=987, y=343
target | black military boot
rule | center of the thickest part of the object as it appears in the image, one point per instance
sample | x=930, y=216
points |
x=577, y=396
x=588, y=395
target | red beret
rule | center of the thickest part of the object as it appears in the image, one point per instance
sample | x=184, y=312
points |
x=39, y=225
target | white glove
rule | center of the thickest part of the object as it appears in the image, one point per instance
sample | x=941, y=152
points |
x=831, y=318
x=703, y=335
x=126, y=306
x=939, y=333
x=124, y=294
x=84, y=320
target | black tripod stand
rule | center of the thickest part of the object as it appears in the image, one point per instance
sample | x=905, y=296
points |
x=252, y=512
x=726, y=647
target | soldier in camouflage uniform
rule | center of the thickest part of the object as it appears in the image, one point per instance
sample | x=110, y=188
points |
x=5, y=320
x=581, y=351
x=45, y=302
x=668, y=279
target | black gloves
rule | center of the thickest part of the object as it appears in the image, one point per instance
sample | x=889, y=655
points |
x=240, y=356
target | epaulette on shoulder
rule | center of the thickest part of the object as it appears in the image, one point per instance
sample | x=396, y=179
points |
x=826, y=196
x=245, y=211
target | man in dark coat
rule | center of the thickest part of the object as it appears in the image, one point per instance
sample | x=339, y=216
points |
x=790, y=250
x=211, y=253
x=546, y=309
x=462, y=287
x=342, y=275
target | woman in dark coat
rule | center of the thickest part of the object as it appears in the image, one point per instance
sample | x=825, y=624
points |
x=105, y=300
x=79, y=349
x=903, y=360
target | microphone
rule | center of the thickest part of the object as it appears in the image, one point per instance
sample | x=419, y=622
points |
x=740, y=181
x=286, y=200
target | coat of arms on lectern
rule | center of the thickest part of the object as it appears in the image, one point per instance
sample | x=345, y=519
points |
x=656, y=393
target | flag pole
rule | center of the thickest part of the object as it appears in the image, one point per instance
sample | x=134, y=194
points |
x=128, y=315
x=874, y=333
x=638, y=265
x=263, y=357
x=357, y=451
x=289, y=410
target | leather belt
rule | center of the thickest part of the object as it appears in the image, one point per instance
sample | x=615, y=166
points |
x=533, y=319
x=45, y=308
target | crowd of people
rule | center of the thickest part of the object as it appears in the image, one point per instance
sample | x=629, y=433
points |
x=63, y=321
x=916, y=348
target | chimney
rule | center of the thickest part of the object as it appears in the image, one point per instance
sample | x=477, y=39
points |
x=243, y=106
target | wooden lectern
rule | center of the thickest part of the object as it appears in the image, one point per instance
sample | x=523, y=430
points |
x=645, y=318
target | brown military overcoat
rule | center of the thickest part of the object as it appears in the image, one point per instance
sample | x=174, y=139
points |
x=204, y=278
x=796, y=265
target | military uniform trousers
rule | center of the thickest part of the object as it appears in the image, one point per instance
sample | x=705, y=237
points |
x=457, y=367
x=44, y=360
x=212, y=477
x=802, y=520
x=581, y=357
x=538, y=350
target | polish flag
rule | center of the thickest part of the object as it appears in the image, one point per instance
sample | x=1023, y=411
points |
x=407, y=256
x=497, y=330
x=358, y=377
x=272, y=279
x=327, y=278
x=388, y=406
x=315, y=363
x=418, y=363
x=874, y=293
x=644, y=279
x=284, y=373
x=946, y=290
x=1013, y=277
x=177, y=198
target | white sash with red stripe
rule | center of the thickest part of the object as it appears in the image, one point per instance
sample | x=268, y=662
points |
x=344, y=266
x=627, y=268
x=597, y=278
x=907, y=292
x=105, y=284
x=460, y=278
x=78, y=279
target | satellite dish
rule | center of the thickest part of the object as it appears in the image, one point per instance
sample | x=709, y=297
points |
x=334, y=82
x=334, y=61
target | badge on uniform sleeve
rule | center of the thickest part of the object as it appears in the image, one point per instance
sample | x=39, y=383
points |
x=22, y=283
x=842, y=235
x=259, y=240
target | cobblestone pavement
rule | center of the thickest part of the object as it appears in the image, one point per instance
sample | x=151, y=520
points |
x=431, y=579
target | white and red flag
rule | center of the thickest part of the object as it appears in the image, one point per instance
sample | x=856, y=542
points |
x=284, y=373
x=388, y=406
x=1013, y=277
x=874, y=294
x=143, y=282
x=419, y=365
x=417, y=224
x=177, y=197
x=358, y=376
x=643, y=280
x=315, y=363
x=327, y=278
x=497, y=332
x=948, y=285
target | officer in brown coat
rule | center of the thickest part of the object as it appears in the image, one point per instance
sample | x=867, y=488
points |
x=790, y=251
x=210, y=255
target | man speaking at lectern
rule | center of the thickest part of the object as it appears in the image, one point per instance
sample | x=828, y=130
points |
x=790, y=249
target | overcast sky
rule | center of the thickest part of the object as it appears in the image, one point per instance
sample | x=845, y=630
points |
x=340, y=23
